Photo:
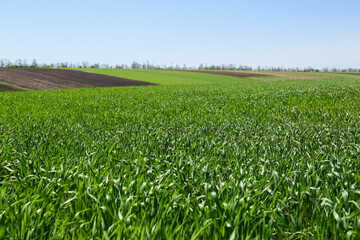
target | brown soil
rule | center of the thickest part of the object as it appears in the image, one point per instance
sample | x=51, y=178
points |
x=233, y=73
x=49, y=79
x=292, y=75
x=301, y=75
x=356, y=74
x=4, y=88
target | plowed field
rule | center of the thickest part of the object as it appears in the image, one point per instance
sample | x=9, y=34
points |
x=356, y=74
x=50, y=79
x=4, y=88
x=233, y=73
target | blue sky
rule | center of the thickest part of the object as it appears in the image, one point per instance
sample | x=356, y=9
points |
x=315, y=33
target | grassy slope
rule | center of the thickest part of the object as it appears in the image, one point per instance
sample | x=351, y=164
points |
x=237, y=158
x=177, y=77
x=166, y=77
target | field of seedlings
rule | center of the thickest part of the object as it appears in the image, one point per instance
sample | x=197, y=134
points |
x=203, y=157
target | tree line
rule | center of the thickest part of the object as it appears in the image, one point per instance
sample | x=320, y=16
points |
x=20, y=63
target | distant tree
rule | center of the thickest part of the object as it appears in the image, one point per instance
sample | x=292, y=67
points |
x=7, y=63
x=18, y=63
x=85, y=64
x=135, y=65
x=64, y=65
x=34, y=63
x=96, y=65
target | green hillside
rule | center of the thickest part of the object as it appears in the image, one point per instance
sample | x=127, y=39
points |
x=168, y=77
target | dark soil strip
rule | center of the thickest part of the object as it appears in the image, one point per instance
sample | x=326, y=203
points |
x=233, y=73
x=5, y=88
x=50, y=79
x=356, y=74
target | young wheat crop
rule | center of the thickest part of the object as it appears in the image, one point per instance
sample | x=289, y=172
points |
x=238, y=160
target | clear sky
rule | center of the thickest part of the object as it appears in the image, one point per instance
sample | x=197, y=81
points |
x=287, y=33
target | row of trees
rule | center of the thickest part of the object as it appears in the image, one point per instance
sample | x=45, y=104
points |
x=19, y=63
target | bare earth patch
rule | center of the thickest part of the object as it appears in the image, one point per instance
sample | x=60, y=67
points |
x=299, y=75
x=51, y=79
x=5, y=88
x=233, y=73
x=292, y=75
x=355, y=74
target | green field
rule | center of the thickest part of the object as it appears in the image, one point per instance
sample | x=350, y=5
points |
x=168, y=77
x=200, y=156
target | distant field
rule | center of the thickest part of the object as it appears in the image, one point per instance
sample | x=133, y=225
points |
x=200, y=156
x=52, y=79
x=199, y=77
x=355, y=74
x=241, y=74
x=301, y=75
x=171, y=77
